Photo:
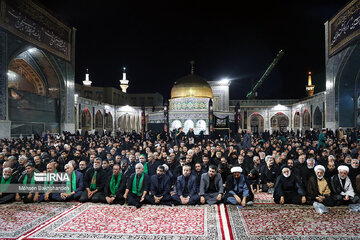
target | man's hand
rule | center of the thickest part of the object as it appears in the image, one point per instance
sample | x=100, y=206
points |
x=346, y=198
x=202, y=200
x=142, y=198
x=17, y=197
x=110, y=200
x=46, y=196
x=238, y=199
x=36, y=197
x=243, y=202
x=282, y=200
x=90, y=194
x=303, y=199
x=219, y=197
x=29, y=196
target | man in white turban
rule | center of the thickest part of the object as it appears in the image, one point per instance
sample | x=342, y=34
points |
x=318, y=188
x=341, y=187
x=236, y=188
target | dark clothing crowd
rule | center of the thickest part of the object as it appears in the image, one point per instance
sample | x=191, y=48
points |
x=187, y=169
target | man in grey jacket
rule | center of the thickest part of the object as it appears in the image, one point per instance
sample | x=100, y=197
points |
x=211, y=186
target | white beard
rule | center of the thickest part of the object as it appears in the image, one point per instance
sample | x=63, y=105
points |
x=311, y=167
x=286, y=175
x=320, y=177
x=6, y=177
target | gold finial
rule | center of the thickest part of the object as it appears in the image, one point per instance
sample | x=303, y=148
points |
x=192, y=66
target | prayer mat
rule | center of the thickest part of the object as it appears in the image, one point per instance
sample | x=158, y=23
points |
x=293, y=222
x=263, y=198
x=17, y=219
x=101, y=221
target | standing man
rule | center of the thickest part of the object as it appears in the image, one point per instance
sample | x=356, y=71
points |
x=247, y=140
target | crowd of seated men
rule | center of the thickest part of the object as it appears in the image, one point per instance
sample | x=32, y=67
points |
x=185, y=169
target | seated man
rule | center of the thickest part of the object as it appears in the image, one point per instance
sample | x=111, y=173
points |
x=341, y=187
x=7, y=179
x=137, y=187
x=186, y=191
x=75, y=184
x=269, y=173
x=28, y=179
x=288, y=189
x=211, y=187
x=48, y=195
x=115, y=186
x=159, y=188
x=318, y=188
x=94, y=180
x=236, y=188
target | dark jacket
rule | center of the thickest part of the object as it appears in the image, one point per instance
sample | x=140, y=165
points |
x=289, y=184
x=145, y=184
x=180, y=185
x=230, y=186
x=120, y=192
x=205, y=182
x=100, y=179
x=159, y=187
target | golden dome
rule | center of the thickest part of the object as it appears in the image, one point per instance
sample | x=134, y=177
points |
x=191, y=86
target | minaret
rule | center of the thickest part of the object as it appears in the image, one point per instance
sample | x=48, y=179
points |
x=87, y=82
x=192, y=62
x=124, y=83
x=310, y=88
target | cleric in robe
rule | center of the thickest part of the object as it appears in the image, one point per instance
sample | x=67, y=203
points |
x=318, y=188
x=137, y=187
x=236, y=188
x=341, y=187
x=288, y=188
x=186, y=191
x=115, y=186
x=159, y=188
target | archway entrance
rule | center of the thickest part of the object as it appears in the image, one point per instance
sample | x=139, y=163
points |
x=296, y=121
x=257, y=123
x=306, y=120
x=279, y=122
x=86, y=120
x=317, y=119
x=33, y=94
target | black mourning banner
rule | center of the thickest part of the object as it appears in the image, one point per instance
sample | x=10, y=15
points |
x=221, y=122
x=32, y=23
x=344, y=27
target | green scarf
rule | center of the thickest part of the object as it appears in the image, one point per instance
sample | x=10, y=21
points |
x=71, y=186
x=114, y=187
x=146, y=168
x=32, y=181
x=137, y=189
x=5, y=184
x=93, y=181
x=52, y=181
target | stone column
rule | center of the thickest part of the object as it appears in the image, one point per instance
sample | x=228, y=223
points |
x=5, y=124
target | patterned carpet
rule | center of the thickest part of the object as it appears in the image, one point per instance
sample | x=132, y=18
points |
x=63, y=221
x=100, y=221
x=263, y=198
x=293, y=222
x=17, y=219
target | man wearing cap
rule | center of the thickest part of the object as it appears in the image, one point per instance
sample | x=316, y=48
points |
x=318, y=188
x=211, y=186
x=341, y=187
x=288, y=188
x=236, y=188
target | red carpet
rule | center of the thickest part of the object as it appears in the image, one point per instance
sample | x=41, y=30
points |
x=100, y=221
x=17, y=219
x=262, y=197
x=293, y=222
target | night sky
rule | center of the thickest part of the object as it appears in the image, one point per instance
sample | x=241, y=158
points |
x=238, y=40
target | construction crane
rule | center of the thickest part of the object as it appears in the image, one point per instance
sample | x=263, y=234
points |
x=251, y=94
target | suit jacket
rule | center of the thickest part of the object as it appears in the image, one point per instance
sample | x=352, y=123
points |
x=162, y=186
x=230, y=186
x=205, y=181
x=79, y=184
x=100, y=179
x=180, y=185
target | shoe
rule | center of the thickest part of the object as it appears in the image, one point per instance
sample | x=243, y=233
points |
x=250, y=203
x=138, y=206
x=240, y=207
